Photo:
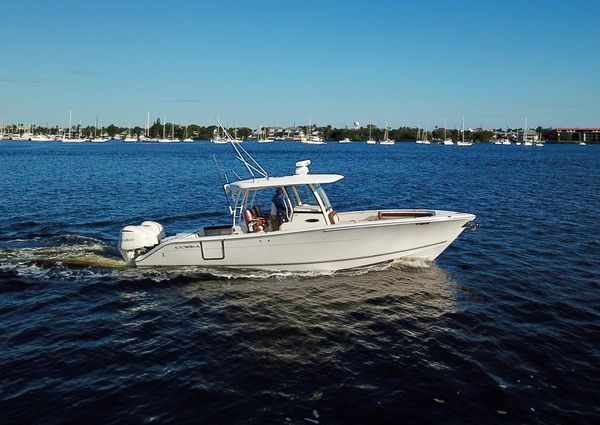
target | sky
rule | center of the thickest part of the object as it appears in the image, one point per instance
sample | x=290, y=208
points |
x=252, y=63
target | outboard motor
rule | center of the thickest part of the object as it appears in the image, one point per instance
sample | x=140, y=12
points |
x=137, y=240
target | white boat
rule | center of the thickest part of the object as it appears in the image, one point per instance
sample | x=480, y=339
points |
x=186, y=138
x=419, y=138
x=67, y=137
x=235, y=137
x=527, y=141
x=370, y=140
x=447, y=141
x=41, y=138
x=386, y=140
x=73, y=140
x=311, y=138
x=345, y=140
x=103, y=138
x=314, y=237
x=422, y=138
x=171, y=138
x=539, y=142
x=582, y=144
x=262, y=136
x=218, y=139
x=462, y=142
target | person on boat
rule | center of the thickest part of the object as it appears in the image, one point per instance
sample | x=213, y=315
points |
x=278, y=210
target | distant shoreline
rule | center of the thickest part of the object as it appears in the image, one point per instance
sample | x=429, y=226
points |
x=403, y=134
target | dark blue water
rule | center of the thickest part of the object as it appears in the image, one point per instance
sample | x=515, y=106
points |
x=502, y=328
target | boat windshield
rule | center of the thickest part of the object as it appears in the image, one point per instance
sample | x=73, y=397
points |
x=323, y=196
x=303, y=198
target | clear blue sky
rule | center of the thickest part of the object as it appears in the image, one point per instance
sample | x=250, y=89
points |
x=284, y=62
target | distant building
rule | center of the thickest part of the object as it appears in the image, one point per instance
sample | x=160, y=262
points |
x=527, y=136
x=579, y=134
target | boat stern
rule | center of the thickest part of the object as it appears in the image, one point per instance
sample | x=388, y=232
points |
x=137, y=240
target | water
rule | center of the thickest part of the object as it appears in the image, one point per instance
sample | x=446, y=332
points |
x=503, y=328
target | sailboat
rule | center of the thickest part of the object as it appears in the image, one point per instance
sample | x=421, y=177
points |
x=68, y=138
x=129, y=137
x=146, y=137
x=419, y=140
x=311, y=138
x=166, y=139
x=526, y=140
x=462, y=142
x=97, y=139
x=187, y=139
x=235, y=138
x=386, y=140
x=446, y=141
x=371, y=141
x=422, y=136
x=262, y=137
x=217, y=139
x=539, y=142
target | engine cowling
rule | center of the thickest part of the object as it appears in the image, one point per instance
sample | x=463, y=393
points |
x=135, y=240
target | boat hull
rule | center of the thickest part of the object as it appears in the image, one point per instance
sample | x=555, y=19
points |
x=345, y=245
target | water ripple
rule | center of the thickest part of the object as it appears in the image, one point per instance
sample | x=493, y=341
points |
x=503, y=326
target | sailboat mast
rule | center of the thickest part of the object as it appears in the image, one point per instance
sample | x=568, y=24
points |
x=445, y=129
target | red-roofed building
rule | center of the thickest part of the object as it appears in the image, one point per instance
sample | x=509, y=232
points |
x=579, y=134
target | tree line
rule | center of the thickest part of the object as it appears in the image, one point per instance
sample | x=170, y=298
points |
x=157, y=129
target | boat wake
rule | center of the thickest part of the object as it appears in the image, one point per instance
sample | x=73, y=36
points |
x=63, y=256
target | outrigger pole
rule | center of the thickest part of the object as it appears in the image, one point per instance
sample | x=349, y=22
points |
x=224, y=184
x=242, y=154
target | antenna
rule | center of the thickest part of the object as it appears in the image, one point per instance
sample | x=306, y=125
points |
x=242, y=154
